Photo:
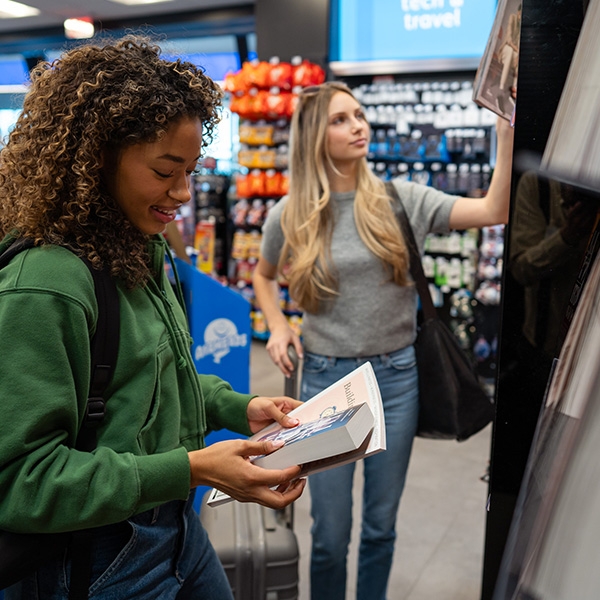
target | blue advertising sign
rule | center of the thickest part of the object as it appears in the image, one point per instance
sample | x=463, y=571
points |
x=219, y=320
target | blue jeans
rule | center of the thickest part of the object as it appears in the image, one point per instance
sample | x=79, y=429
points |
x=161, y=553
x=384, y=477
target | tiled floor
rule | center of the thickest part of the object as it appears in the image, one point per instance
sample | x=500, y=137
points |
x=441, y=519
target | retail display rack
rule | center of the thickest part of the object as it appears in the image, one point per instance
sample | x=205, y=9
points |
x=264, y=95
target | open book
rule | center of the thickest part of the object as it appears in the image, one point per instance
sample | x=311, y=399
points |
x=356, y=388
x=495, y=82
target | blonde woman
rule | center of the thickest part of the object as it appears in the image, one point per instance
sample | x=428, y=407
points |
x=336, y=239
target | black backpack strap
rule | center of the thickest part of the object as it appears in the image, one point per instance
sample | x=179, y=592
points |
x=104, y=347
x=104, y=351
x=17, y=246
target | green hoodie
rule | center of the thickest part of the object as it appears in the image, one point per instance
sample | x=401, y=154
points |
x=158, y=407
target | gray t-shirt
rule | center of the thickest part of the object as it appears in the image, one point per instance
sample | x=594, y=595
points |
x=371, y=315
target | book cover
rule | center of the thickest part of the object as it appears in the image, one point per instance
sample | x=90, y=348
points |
x=495, y=82
x=330, y=435
x=359, y=386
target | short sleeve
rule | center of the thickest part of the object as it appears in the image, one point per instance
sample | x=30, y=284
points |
x=273, y=238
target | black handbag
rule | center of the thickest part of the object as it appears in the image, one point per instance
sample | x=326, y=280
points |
x=452, y=403
x=21, y=554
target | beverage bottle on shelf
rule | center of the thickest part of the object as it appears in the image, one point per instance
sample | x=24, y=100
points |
x=452, y=177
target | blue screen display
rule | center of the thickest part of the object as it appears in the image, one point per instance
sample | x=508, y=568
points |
x=13, y=71
x=215, y=64
x=376, y=30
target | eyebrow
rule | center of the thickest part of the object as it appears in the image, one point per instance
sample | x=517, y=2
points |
x=345, y=112
x=174, y=158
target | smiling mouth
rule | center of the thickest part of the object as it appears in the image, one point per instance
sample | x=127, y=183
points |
x=169, y=212
x=164, y=215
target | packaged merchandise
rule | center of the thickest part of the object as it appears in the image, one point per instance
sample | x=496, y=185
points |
x=280, y=74
x=204, y=244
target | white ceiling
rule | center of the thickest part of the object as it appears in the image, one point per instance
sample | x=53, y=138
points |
x=54, y=12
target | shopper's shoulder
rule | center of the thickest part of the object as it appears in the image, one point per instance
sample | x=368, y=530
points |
x=413, y=191
x=278, y=207
x=407, y=189
x=273, y=219
x=49, y=268
x=400, y=183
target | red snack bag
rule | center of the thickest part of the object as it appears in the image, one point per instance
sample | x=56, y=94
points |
x=276, y=104
x=272, y=183
x=256, y=182
x=284, y=183
x=242, y=105
x=257, y=73
x=229, y=82
x=292, y=103
x=281, y=74
x=258, y=104
x=242, y=186
x=235, y=82
x=307, y=73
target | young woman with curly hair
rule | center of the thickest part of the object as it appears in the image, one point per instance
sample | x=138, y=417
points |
x=337, y=241
x=96, y=166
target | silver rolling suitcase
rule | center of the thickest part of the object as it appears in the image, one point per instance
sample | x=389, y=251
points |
x=257, y=546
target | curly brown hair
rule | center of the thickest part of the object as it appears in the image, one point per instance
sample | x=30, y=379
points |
x=96, y=98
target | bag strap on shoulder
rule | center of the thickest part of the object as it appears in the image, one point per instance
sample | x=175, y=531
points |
x=104, y=352
x=104, y=343
x=17, y=246
x=104, y=347
x=416, y=266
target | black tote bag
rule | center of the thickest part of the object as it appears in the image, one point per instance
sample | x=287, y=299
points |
x=452, y=403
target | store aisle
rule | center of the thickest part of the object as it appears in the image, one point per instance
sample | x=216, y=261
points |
x=441, y=522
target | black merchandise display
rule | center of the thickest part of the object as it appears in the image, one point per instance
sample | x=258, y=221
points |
x=528, y=436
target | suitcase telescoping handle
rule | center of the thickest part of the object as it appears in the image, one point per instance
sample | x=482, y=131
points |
x=291, y=382
x=286, y=515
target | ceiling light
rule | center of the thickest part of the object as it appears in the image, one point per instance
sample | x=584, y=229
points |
x=138, y=2
x=76, y=29
x=12, y=10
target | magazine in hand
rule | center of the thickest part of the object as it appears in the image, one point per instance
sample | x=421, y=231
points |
x=496, y=78
x=356, y=388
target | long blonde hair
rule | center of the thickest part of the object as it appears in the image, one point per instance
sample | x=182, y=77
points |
x=307, y=219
